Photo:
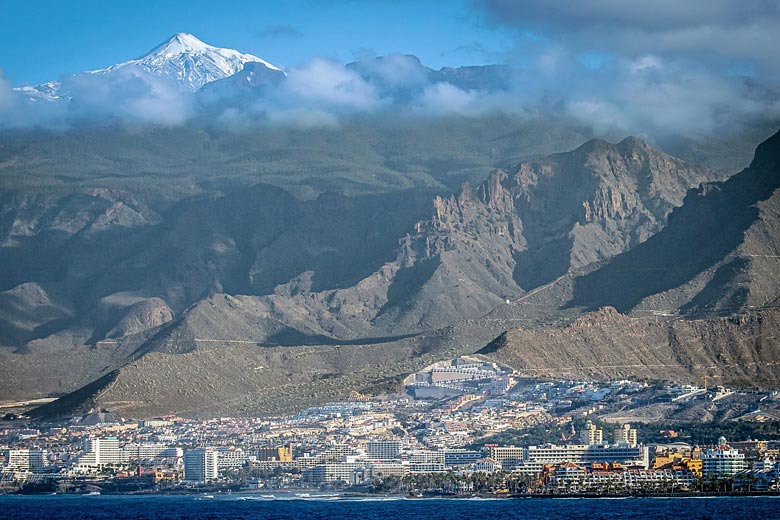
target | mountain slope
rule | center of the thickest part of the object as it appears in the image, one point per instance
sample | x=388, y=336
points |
x=192, y=63
x=592, y=203
x=178, y=373
x=491, y=243
x=325, y=270
x=458, y=263
x=608, y=345
x=719, y=252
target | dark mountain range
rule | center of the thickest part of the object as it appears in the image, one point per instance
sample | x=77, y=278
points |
x=282, y=237
x=119, y=284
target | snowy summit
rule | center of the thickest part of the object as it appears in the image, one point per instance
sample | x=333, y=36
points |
x=183, y=59
x=190, y=62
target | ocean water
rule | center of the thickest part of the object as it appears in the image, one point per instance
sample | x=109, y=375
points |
x=316, y=507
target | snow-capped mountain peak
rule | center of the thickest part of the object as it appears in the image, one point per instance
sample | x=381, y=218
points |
x=179, y=43
x=190, y=62
x=183, y=59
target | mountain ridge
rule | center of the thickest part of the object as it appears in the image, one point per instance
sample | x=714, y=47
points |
x=450, y=259
x=732, y=226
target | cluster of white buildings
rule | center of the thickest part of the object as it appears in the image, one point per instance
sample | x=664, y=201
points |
x=391, y=457
x=99, y=452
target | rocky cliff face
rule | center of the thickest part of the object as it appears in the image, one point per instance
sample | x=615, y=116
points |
x=491, y=243
x=588, y=205
x=719, y=252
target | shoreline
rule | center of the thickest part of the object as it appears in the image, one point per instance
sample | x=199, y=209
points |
x=315, y=494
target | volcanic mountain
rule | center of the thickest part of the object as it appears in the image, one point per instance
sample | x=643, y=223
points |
x=183, y=61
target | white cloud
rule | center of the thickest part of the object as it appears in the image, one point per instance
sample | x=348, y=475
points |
x=443, y=98
x=127, y=94
x=327, y=83
x=716, y=32
x=644, y=63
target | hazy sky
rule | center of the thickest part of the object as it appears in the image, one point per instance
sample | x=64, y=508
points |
x=40, y=41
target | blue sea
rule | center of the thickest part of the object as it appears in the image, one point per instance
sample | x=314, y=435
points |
x=315, y=507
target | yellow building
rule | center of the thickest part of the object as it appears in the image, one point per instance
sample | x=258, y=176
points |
x=676, y=460
x=285, y=453
x=694, y=466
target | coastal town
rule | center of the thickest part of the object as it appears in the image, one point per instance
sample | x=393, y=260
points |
x=463, y=427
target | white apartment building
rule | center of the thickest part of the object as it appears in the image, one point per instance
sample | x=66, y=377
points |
x=721, y=462
x=233, y=458
x=101, y=452
x=507, y=456
x=201, y=464
x=584, y=455
x=383, y=449
x=591, y=434
x=31, y=460
x=625, y=434
x=146, y=451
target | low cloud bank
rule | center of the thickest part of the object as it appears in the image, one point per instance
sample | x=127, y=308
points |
x=647, y=93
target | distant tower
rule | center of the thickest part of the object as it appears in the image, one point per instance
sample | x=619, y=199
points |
x=591, y=434
x=201, y=464
x=625, y=435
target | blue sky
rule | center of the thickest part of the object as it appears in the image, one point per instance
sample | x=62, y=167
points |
x=40, y=41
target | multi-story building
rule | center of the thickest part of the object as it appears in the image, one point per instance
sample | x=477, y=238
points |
x=31, y=460
x=426, y=461
x=626, y=478
x=385, y=469
x=353, y=472
x=626, y=435
x=383, y=449
x=336, y=453
x=535, y=457
x=427, y=467
x=487, y=465
x=425, y=456
x=156, y=423
x=591, y=434
x=722, y=461
x=231, y=458
x=146, y=451
x=201, y=464
x=281, y=454
x=507, y=456
x=101, y=452
x=461, y=457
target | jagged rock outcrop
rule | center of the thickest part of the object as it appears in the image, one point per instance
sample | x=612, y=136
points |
x=27, y=311
x=512, y=233
x=595, y=202
x=144, y=315
x=720, y=251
